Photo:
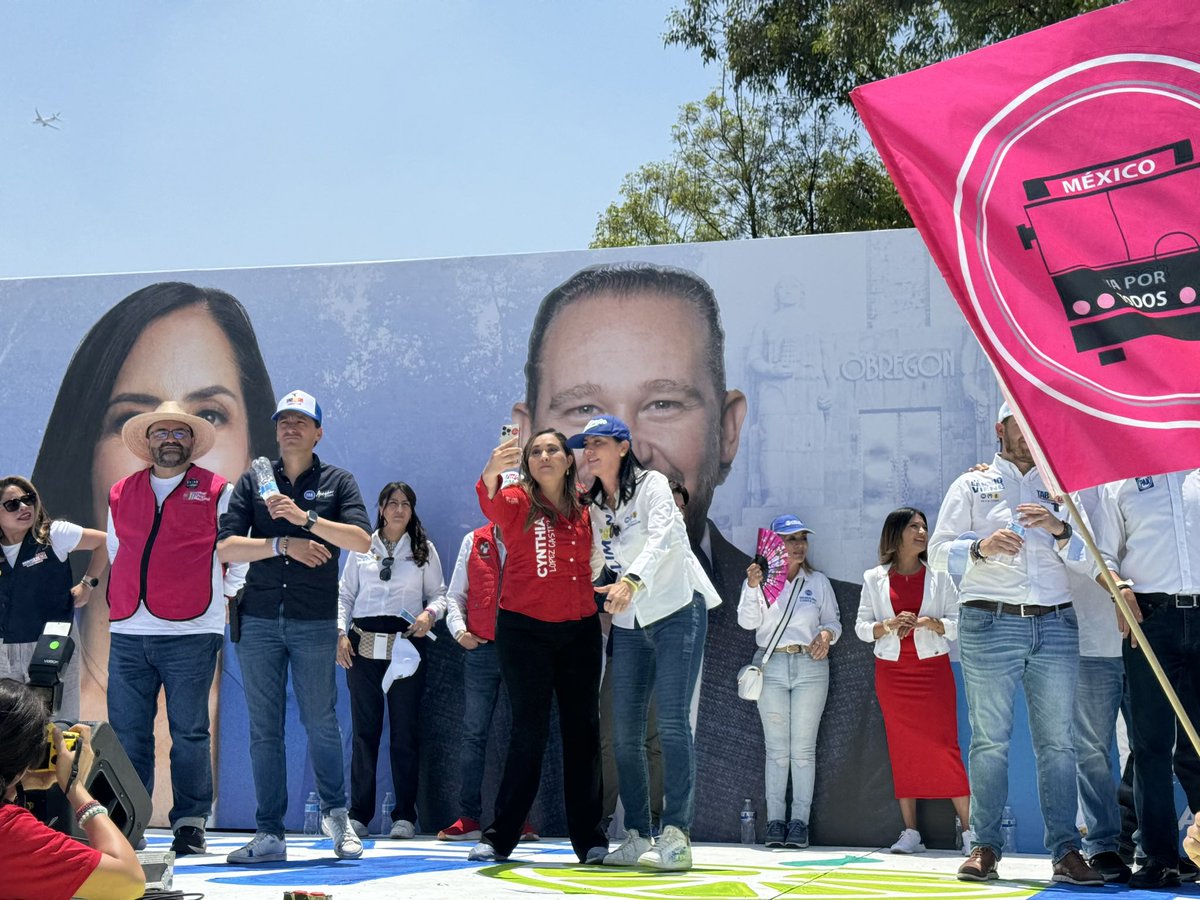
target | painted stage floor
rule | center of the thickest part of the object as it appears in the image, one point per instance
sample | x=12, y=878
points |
x=432, y=870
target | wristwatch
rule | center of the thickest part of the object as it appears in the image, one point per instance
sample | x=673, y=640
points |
x=89, y=581
x=312, y=520
x=1068, y=530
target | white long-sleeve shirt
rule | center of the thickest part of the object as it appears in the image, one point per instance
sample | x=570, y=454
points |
x=1148, y=530
x=813, y=608
x=979, y=504
x=456, y=593
x=412, y=588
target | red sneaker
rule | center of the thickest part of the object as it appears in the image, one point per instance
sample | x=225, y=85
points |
x=462, y=830
x=528, y=833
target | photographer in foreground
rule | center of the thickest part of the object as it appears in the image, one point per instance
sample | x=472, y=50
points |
x=37, y=861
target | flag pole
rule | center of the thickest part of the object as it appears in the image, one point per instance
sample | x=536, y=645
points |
x=1135, y=629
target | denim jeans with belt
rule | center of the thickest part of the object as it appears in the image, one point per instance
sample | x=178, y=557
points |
x=183, y=665
x=267, y=649
x=793, y=697
x=1041, y=653
x=481, y=690
x=663, y=658
x=1097, y=700
x=1174, y=634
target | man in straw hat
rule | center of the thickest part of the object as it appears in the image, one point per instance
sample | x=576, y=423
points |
x=166, y=597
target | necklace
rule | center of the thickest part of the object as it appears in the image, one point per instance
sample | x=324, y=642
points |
x=389, y=545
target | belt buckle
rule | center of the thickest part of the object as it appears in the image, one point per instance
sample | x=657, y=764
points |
x=1030, y=610
x=792, y=648
x=1185, y=601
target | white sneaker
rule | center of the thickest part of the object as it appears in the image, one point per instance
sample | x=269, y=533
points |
x=359, y=828
x=908, y=842
x=402, y=830
x=968, y=837
x=671, y=852
x=485, y=852
x=262, y=848
x=630, y=850
x=346, y=844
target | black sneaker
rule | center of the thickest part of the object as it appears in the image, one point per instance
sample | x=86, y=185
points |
x=776, y=832
x=1187, y=869
x=797, y=835
x=1152, y=875
x=1111, y=866
x=189, y=841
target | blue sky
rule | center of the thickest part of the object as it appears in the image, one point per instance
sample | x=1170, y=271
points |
x=214, y=134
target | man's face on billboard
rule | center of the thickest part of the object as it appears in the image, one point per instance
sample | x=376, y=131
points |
x=643, y=358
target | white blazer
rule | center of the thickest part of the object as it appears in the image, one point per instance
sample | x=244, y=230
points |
x=939, y=601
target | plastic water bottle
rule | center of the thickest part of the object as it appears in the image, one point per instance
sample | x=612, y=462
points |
x=312, y=814
x=749, y=822
x=264, y=477
x=385, y=812
x=1008, y=830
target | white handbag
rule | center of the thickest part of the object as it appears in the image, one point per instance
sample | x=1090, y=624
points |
x=750, y=677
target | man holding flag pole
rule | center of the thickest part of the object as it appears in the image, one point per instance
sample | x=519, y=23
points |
x=1053, y=177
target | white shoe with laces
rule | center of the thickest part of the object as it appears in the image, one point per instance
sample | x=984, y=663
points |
x=402, y=830
x=908, y=842
x=630, y=850
x=262, y=848
x=346, y=844
x=672, y=852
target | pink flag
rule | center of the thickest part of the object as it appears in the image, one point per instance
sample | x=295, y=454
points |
x=1055, y=178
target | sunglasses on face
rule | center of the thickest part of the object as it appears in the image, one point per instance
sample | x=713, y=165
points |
x=16, y=503
x=161, y=434
x=385, y=568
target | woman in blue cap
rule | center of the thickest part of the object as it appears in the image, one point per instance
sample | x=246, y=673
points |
x=797, y=629
x=659, y=601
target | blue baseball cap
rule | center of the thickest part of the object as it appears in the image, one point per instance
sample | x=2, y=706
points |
x=789, y=524
x=600, y=426
x=298, y=401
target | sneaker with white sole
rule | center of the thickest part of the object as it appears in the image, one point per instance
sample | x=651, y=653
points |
x=595, y=855
x=402, y=830
x=908, y=842
x=463, y=829
x=485, y=852
x=671, y=853
x=359, y=828
x=346, y=844
x=262, y=848
x=630, y=850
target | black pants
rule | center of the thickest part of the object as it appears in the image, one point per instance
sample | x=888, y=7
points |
x=364, y=680
x=538, y=662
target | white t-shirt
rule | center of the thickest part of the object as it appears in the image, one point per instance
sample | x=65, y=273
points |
x=64, y=537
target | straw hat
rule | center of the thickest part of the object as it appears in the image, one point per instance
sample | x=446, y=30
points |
x=134, y=432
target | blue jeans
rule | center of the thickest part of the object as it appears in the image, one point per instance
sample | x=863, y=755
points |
x=481, y=690
x=183, y=665
x=793, y=697
x=267, y=648
x=1000, y=652
x=1097, y=700
x=664, y=657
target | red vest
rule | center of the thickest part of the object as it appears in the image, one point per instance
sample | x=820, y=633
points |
x=483, y=583
x=165, y=557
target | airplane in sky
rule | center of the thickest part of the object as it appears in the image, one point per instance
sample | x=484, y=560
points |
x=46, y=121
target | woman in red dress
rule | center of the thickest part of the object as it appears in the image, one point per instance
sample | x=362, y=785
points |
x=911, y=614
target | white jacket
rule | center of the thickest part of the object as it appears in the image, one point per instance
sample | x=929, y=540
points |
x=939, y=601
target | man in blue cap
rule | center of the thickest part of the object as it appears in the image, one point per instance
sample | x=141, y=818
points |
x=291, y=537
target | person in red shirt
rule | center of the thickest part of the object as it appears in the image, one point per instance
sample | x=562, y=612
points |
x=38, y=862
x=547, y=638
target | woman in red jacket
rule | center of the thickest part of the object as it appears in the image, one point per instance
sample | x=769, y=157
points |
x=547, y=639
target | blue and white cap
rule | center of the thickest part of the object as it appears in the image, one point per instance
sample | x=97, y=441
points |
x=301, y=402
x=600, y=426
x=789, y=524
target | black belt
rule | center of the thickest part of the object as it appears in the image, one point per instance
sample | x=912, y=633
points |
x=1014, y=609
x=1179, y=601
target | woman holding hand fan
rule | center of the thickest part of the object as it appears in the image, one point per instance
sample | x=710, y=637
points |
x=796, y=627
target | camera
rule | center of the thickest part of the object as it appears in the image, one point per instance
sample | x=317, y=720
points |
x=49, y=760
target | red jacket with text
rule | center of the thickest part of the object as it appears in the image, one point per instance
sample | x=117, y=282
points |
x=165, y=556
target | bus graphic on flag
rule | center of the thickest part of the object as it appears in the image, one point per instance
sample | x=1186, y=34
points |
x=1121, y=268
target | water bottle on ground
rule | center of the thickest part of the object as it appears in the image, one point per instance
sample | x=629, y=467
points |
x=264, y=477
x=385, y=812
x=312, y=814
x=1008, y=830
x=749, y=822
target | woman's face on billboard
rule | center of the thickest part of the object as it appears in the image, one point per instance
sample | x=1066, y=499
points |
x=183, y=356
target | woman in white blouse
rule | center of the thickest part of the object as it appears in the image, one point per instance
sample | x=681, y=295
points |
x=397, y=582
x=799, y=628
